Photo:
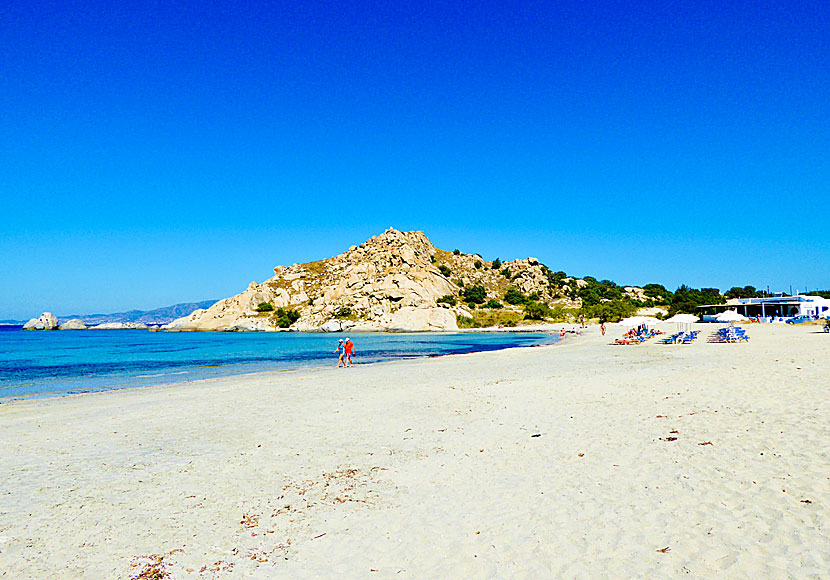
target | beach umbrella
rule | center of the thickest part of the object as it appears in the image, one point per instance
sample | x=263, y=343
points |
x=684, y=318
x=730, y=316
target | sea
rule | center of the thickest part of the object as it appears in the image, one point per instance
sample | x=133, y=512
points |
x=42, y=364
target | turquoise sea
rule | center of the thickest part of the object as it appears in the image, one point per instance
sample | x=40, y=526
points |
x=37, y=363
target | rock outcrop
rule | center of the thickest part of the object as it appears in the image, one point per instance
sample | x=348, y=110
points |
x=73, y=324
x=47, y=321
x=120, y=326
x=390, y=282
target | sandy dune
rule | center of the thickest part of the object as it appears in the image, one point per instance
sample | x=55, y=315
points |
x=582, y=460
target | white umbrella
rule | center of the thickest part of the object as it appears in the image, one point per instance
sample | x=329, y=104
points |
x=638, y=320
x=685, y=318
x=730, y=316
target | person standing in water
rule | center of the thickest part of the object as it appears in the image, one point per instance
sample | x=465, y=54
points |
x=341, y=352
x=349, y=352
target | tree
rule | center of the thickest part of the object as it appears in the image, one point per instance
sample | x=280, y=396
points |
x=537, y=310
x=265, y=307
x=513, y=296
x=285, y=317
x=611, y=311
x=492, y=303
x=657, y=293
x=745, y=292
x=496, y=264
x=474, y=294
x=595, y=291
x=686, y=299
x=445, y=270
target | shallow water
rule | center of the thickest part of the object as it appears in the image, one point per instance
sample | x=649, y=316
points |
x=38, y=363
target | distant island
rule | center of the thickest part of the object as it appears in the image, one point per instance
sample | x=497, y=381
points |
x=137, y=318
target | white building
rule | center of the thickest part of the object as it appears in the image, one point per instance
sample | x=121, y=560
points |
x=776, y=306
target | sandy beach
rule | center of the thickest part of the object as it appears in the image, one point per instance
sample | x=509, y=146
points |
x=580, y=460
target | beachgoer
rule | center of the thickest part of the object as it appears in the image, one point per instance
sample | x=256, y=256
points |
x=349, y=352
x=341, y=352
x=602, y=328
x=562, y=333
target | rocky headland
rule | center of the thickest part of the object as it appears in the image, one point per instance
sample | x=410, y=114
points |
x=396, y=281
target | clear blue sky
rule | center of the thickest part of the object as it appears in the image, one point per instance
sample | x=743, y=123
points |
x=154, y=153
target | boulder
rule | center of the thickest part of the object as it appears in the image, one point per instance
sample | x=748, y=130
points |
x=410, y=318
x=47, y=321
x=73, y=324
x=332, y=326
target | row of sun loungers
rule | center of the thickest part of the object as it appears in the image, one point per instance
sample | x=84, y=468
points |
x=729, y=334
x=686, y=337
x=638, y=338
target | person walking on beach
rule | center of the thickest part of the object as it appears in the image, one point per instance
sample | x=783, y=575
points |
x=602, y=327
x=341, y=352
x=349, y=351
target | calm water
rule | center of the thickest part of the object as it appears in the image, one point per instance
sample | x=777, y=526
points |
x=40, y=363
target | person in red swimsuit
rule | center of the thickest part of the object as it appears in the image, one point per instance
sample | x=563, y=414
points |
x=349, y=352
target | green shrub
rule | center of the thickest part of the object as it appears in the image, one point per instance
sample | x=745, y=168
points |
x=343, y=312
x=558, y=314
x=478, y=264
x=471, y=305
x=456, y=252
x=448, y=299
x=484, y=318
x=496, y=264
x=459, y=283
x=445, y=270
x=534, y=296
x=513, y=296
x=537, y=310
x=285, y=317
x=506, y=273
x=610, y=311
x=464, y=321
x=493, y=304
x=475, y=294
x=265, y=307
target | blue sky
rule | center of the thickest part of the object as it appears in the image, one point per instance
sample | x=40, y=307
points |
x=154, y=153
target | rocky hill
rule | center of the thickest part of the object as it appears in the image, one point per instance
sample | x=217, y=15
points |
x=394, y=281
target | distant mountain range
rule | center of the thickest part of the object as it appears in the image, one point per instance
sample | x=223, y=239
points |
x=157, y=316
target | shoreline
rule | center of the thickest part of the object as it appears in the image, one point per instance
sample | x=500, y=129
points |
x=584, y=461
x=129, y=382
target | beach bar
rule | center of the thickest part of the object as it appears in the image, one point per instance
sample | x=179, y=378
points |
x=779, y=306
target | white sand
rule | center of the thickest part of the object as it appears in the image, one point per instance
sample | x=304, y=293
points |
x=429, y=468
